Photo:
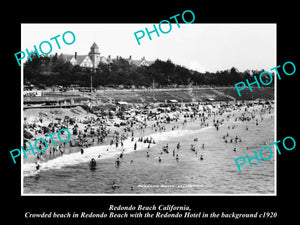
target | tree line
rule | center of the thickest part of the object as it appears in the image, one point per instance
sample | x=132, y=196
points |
x=55, y=70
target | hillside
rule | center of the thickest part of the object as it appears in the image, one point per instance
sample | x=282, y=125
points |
x=184, y=95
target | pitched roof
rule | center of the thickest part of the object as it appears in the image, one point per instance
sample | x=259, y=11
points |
x=80, y=58
x=94, y=45
x=67, y=57
x=138, y=62
x=103, y=59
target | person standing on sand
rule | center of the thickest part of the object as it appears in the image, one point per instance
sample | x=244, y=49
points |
x=58, y=148
x=37, y=166
x=61, y=150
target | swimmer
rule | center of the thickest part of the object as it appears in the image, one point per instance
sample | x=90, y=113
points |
x=193, y=148
x=201, y=157
x=93, y=162
x=177, y=157
x=234, y=149
x=117, y=162
x=114, y=185
x=159, y=159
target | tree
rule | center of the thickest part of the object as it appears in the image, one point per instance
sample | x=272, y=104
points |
x=55, y=70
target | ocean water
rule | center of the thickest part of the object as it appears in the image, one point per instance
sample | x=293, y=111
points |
x=217, y=173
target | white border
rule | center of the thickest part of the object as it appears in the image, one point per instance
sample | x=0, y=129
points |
x=275, y=116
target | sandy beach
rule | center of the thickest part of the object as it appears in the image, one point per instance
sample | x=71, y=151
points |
x=210, y=131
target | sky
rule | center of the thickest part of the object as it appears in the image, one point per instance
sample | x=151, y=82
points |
x=202, y=47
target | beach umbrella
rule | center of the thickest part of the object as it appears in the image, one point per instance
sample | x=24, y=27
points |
x=27, y=134
x=112, y=112
x=46, y=130
x=72, y=120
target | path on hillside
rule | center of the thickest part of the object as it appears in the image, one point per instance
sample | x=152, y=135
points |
x=174, y=96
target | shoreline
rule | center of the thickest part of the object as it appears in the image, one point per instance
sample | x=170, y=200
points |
x=73, y=153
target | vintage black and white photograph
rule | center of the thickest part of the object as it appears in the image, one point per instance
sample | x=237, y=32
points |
x=105, y=114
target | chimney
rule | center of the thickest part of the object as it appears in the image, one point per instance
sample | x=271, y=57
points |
x=75, y=55
x=130, y=57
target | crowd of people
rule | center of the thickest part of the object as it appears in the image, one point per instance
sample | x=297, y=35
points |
x=100, y=130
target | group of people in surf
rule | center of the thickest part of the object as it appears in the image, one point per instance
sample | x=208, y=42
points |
x=193, y=148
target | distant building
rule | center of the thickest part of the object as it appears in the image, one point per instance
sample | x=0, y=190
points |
x=139, y=62
x=93, y=58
